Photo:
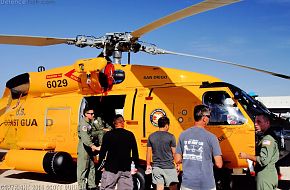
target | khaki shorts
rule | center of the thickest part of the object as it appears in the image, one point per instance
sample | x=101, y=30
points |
x=164, y=176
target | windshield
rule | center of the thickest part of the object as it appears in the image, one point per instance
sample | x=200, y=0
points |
x=251, y=105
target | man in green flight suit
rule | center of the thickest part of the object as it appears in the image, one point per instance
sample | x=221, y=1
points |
x=267, y=155
x=87, y=131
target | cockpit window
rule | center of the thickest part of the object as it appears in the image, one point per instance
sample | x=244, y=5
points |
x=224, y=111
x=252, y=106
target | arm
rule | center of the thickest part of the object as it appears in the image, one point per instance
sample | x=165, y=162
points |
x=104, y=125
x=173, y=146
x=265, y=154
x=244, y=155
x=217, y=153
x=178, y=152
x=178, y=158
x=178, y=161
x=218, y=161
x=104, y=148
x=148, y=157
x=135, y=155
x=268, y=150
x=173, y=150
x=108, y=127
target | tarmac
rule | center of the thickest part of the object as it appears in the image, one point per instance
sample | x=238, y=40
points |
x=23, y=180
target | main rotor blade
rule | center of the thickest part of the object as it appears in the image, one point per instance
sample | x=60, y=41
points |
x=192, y=10
x=229, y=63
x=32, y=40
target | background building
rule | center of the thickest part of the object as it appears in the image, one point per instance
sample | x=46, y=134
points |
x=277, y=104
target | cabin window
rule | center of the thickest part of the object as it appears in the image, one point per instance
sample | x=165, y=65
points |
x=224, y=110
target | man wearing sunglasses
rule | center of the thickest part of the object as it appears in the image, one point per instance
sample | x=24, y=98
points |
x=86, y=148
x=196, y=149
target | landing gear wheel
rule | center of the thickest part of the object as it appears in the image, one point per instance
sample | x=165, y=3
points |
x=223, y=179
x=139, y=180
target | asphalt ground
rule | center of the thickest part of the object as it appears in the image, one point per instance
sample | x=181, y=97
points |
x=23, y=180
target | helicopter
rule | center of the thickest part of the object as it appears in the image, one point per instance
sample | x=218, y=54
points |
x=44, y=140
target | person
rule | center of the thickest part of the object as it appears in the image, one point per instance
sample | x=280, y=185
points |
x=118, y=144
x=86, y=149
x=162, y=145
x=267, y=154
x=101, y=128
x=197, y=148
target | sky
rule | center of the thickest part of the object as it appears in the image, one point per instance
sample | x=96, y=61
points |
x=254, y=33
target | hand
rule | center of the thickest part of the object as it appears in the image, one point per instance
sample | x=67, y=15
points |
x=243, y=155
x=95, y=148
x=178, y=168
x=148, y=169
x=134, y=171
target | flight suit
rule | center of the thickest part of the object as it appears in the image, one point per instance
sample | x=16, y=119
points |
x=85, y=162
x=268, y=155
x=100, y=130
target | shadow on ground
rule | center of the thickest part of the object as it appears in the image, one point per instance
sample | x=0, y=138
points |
x=249, y=183
x=243, y=182
x=284, y=184
x=2, y=171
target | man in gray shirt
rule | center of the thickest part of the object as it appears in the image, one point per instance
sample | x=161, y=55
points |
x=162, y=145
x=195, y=150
